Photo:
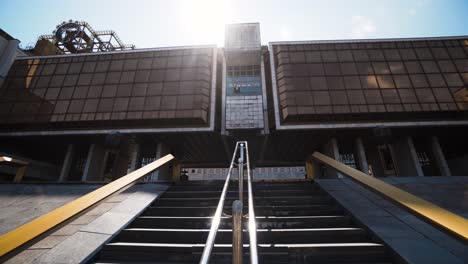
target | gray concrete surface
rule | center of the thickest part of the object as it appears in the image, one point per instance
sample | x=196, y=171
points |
x=78, y=240
x=407, y=234
x=20, y=203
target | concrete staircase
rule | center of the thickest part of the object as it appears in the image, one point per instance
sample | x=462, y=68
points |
x=297, y=223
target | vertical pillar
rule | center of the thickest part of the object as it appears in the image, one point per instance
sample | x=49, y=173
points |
x=361, y=155
x=439, y=157
x=135, y=158
x=331, y=150
x=94, y=162
x=407, y=158
x=163, y=172
x=67, y=163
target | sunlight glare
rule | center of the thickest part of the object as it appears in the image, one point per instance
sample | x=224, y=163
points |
x=204, y=20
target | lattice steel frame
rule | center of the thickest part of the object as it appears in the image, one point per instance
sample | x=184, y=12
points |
x=80, y=37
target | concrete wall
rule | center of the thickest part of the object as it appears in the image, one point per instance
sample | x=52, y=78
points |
x=244, y=112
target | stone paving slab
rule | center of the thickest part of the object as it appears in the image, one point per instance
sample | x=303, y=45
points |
x=408, y=235
x=78, y=240
x=21, y=203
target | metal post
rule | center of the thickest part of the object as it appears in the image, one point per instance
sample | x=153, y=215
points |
x=237, y=232
x=241, y=172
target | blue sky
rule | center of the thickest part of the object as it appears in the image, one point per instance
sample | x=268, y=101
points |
x=147, y=23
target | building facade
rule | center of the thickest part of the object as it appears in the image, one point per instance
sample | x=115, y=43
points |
x=388, y=107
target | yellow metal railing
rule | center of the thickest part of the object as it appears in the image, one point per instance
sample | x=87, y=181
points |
x=435, y=214
x=44, y=223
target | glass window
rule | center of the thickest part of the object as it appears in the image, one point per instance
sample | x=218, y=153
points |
x=124, y=90
x=109, y=90
x=440, y=53
x=329, y=56
x=153, y=103
x=376, y=55
x=348, y=69
x=120, y=104
x=345, y=55
x=364, y=68
x=407, y=54
x=425, y=95
x=424, y=54
x=85, y=79
x=373, y=96
x=112, y=77
x=392, y=54
x=332, y=69
x=429, y=66
x=61, y=107
x=419, y=80
x=369, y=82
x=390, y=96
x=94, y=91
x=446, y=66
x=100, y=78
x=142, y=76
x=318, y=83
x=436, y=80
x=105, y=105
x=381, y=68
x=316, y=69
x=76, y=106
x=407, y=96
x=80, y=92
x=442, y=95
x=352, y=82
x=91, y=105
x=413, y=67
x=360, y=55
x=356, y=97
x=130, y=65
x=335, y=83
x=385, y=81
x=338, y=97
x=127, y=77
x=397, y=67
x=139, y=89
x=66, y=93
x=313, y=56
x=453, y=79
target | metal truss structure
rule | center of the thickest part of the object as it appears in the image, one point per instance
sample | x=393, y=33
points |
x=80, y=37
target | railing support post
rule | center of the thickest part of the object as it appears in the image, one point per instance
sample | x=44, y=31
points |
x=241, y=172
x=237, y=244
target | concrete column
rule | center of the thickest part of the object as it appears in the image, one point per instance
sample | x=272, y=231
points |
x=94, y=163
x=361, y=155
x=439, y=157
x=162, y=174
x=407, y=158
x=7, y=58
x=135, y=158
x=331, y=150
x=67, y=163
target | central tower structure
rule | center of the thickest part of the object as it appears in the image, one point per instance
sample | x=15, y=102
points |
x=244, y=93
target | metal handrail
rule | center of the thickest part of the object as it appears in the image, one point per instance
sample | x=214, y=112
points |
x=252, y=227
x=445, y=219
x=216, y=220
x=44, y=223
x=252, y=224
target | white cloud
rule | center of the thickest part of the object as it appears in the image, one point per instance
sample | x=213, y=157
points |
x=362, y=26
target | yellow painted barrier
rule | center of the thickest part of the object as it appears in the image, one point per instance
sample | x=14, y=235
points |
x=435, y=214
x=44, y=223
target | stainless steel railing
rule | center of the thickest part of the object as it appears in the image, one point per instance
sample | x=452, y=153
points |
x=237, y=244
